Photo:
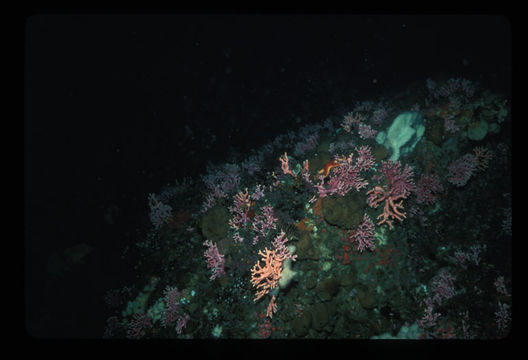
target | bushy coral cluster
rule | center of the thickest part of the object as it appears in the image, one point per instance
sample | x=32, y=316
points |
x=347, y=174
x=240, y=210
x=263, y=223
x=214, y=260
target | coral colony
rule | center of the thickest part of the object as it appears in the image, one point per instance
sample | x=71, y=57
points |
x=384, y=221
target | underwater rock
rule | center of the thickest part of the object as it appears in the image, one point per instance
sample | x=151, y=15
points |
x=320, y=316
x=323, y=145
x=358, y=314
x=367, y=297
x=406, y=332
x=301, y=325
x=380, y=153
x=348, y=280
x=215, y=223
x=344, y=211
x=310, y=283
x=226, y=247
x=305, y=249
x=328, y=288
x=435, y=130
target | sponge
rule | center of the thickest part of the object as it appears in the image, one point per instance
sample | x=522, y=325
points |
x=404, y=133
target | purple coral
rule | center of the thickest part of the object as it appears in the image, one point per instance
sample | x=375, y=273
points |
x=172, y=312
x=430, y=317
x=503, y=317
x=305, y=145
x=427, y=188
x=220, y=184
x=461, y=170
x=138, y=324
x=443, y=286
x=171, y=298
x=159, y=212
x=214, y=260
x=450, y=124
x=379, y=115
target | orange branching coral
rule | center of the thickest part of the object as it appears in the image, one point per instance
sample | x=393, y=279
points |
x=285, y=165
x=391, y=210
x=266, y=278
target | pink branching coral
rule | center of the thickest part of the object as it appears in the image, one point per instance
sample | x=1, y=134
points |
x=240, y=210
x=347, y=173
x=263, y=222
x=365, y=131
x=215, y=260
